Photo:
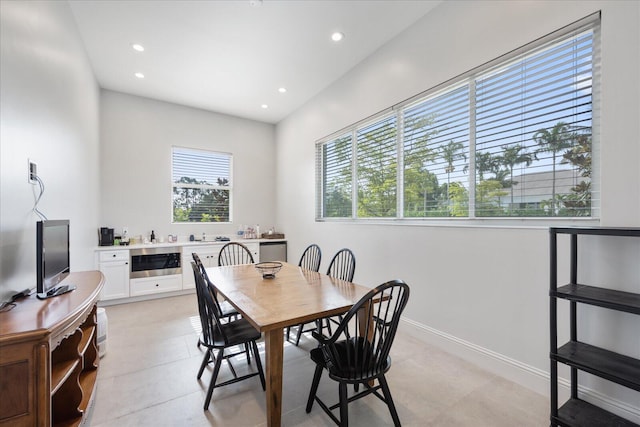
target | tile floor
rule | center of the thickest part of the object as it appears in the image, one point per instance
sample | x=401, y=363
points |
x=148, y=378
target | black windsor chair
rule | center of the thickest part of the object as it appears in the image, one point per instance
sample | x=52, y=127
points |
x=342, y=267
x=222, y=336
x=310, y=260
x=226, y=309
x=234, y=253
x=358, y=351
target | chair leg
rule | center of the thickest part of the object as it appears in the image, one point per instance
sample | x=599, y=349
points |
x=205, y=362
x=344, y=402
x=214, y=376
x=299, y=334
x=328, y=326
x=256, y=353
x=389, y=400
x=246, y=350
x=314, y=387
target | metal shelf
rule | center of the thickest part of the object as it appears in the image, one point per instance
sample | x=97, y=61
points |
x=598, y=231
x=601, y=297
x=606, y=364
x=576, y=412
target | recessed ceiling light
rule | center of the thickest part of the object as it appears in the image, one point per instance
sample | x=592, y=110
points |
x=139, y=75
x=282, y=90
x=138, y=47
x=337, y=36
x=265, y=106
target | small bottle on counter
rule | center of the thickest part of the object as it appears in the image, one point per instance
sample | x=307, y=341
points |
x=153, y=237
x=257, y=231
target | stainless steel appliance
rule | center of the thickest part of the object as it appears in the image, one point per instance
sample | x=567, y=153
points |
x=273, y=251
x=147, y=262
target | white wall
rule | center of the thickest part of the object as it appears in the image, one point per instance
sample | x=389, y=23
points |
x=49, y=114
x=136, y=139
x=481, y=290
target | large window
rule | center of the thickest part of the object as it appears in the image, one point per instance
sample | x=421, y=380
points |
x=201, y=182
x=513, y=138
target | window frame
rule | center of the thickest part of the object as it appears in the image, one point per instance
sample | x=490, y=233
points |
x=589, y=23
x=228, y=188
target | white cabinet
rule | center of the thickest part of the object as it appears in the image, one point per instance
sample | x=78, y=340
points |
x=115, y=267
x=254, y=247
x=208, y=254
x=156, y=284
x=114, y=264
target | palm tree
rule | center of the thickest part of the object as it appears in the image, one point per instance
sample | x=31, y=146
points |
x=485, y=162
x=511, y=157
x=555, y=140
x=450, y=153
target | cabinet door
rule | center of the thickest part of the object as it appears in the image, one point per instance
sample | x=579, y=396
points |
x=157, y=284
x=208, y=255
x=188, y=281
x=255, y=250
x=116, y=284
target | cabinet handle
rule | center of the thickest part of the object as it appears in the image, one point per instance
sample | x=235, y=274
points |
x=114, y=255
x=157, y=285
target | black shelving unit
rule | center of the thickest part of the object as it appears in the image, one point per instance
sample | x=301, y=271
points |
x=581, y=356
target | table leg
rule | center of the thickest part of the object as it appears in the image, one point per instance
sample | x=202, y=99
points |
x=274, y=342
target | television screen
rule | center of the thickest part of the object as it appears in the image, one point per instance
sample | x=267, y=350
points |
x=52, y=246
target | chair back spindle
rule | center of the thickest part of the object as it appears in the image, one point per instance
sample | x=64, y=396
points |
x=205, y=276
x=311, y=258
x=209, y=310
x=234, y=253
x=343, y=265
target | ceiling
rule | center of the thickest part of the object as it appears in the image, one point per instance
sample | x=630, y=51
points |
x=233, y=56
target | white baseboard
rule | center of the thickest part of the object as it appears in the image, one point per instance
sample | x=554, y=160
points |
x=525, y=375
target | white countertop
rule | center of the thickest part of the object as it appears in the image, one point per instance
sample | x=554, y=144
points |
x=185, y=243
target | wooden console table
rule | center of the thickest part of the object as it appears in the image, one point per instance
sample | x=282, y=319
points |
x=49, y=356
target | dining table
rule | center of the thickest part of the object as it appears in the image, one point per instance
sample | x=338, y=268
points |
x=294, y=296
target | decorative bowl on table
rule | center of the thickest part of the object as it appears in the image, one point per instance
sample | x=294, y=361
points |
x=268, y=269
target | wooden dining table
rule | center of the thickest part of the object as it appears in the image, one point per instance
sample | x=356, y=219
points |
x=292, y=297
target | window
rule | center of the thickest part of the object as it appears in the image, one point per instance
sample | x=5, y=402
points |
x=436, y=147
x=336, y=164
x=377, y=169
x=201, y=182
x=513, y=138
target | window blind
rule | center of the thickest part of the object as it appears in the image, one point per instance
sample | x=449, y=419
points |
x=337, y=159
x=201, y=185
x=377, y=169
x=533, y=131
x=515, y=137
x=436, y=146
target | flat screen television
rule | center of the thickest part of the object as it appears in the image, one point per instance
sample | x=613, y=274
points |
x=52, y=257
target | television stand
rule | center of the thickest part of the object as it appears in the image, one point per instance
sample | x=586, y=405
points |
x=55, y=291
x=49, y=357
